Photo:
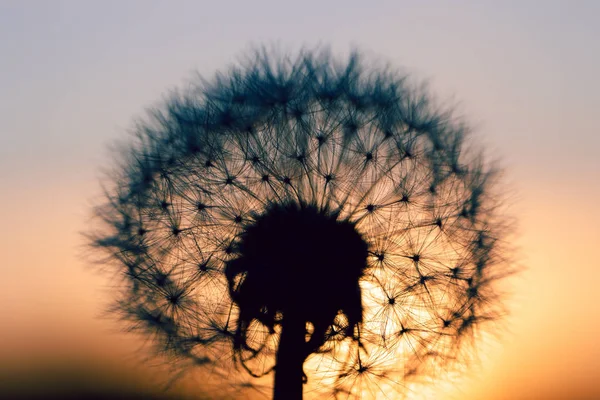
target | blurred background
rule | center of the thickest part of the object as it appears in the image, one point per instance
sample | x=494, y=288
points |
x=75, y=74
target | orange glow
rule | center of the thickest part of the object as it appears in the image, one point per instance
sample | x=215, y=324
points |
x=546, y=349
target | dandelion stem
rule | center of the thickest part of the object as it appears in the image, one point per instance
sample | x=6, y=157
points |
x=290, y=358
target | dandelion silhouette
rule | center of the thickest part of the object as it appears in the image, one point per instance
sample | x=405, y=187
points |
x=317, y=220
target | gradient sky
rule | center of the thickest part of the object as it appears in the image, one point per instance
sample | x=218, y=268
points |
x=74, y=74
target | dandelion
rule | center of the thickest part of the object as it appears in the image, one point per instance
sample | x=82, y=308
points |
x=315, y=220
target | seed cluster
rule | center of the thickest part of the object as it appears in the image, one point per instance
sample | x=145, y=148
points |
x=356, y=143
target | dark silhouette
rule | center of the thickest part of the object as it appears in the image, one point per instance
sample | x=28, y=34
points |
x=315, y=219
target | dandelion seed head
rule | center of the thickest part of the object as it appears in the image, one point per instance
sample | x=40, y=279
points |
x=326, y=190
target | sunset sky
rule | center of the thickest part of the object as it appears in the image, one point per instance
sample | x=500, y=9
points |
x=75, y=74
